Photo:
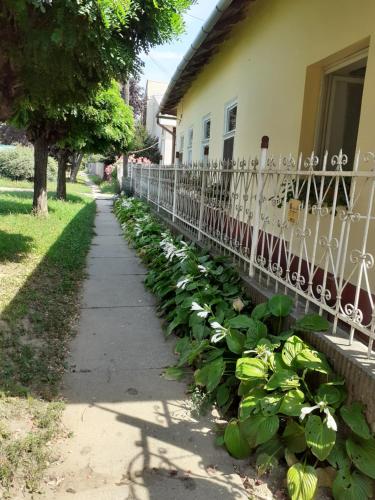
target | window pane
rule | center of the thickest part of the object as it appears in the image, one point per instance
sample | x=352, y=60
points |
x=207, y=129
x=228, y=149
x=232, y=117
x=190, y=143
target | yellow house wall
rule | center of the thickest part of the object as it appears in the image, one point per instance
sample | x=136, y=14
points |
x=267, y=64
x=263, y=65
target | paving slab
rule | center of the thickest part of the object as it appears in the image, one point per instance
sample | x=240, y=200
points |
x=115, y=291
x=115, y=266
x=133, y=434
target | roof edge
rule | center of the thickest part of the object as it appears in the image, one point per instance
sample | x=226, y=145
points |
x=215, y=15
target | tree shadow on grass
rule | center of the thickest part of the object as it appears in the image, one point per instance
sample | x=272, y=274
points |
x=14, y=247
x=36, y=326
x=16, y=202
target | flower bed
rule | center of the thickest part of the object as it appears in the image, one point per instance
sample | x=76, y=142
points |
x=281, y=397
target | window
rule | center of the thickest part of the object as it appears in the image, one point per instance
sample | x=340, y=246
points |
x=206, y=134
x=206, y=128
x=190, y=147
x=341, y=108
x=228, y=149
x=181, y=155
x=230, y=123
x=230, y=118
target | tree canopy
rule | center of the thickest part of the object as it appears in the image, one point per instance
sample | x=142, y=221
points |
x=104, y=125
x=54, y=52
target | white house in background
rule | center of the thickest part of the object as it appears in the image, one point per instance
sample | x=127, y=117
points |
x=162, y=127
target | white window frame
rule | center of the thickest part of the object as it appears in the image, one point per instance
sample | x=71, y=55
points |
x=228, y=106
x=205, y=140
x=182, y=147
x=189, y=156
x=324, y=100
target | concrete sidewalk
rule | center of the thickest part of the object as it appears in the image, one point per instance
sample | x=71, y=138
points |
x=133, y=435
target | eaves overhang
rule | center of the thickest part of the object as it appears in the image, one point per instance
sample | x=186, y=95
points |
x=215, y=30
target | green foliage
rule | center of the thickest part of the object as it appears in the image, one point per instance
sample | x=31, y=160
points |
x=268, y=378
x=302, y=482
x=103, y=126
x=18, y=163
x=146, y=144
x=56, y=52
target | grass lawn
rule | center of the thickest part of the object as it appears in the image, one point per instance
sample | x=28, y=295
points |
x=78, y=187
x=42, y=264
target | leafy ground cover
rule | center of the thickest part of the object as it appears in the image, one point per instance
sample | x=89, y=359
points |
x=281, y=399
x=77, y=188
x=42, y=263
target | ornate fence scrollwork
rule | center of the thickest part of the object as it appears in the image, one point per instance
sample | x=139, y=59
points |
x=324, y=254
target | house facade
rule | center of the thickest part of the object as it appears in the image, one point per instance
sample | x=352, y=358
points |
x=162, y=130
x=303, y=74
x=300, y=72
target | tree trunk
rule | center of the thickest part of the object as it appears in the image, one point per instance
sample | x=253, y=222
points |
x=76, y=163
x=40, y=206
x=61, y=175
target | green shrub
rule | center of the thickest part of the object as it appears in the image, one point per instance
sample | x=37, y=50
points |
x=18, y=164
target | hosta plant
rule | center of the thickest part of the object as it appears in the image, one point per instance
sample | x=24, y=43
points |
x=281, y=397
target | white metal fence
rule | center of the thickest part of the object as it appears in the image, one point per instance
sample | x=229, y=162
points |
x=305, y=225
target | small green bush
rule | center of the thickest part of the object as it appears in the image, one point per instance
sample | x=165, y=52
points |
x=18, y=164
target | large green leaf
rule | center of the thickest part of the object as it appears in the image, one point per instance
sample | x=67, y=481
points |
x=268, y=455
x=270, y=404
x=258, y=429
x=256, y=331
x=352, y=486
x=222, y=394
x=292, y=403
x=319, y=437
x=331, y=394
x=235, y=341
x=354, y=418
x=302, y=482
x=276, y=362
x=241, y=321
x=294, y=437
x=260, y=311
x=210, y=374
x=191, y=351
x=250, y=402
x=251, y=368
x=291, y=348
x=312, y=323
x=362, y=453
x=280, y=305
x=312, y=360
x=246, y=386
x=235, y=441
x=173, y=373
x=338, y=457
x=283, y=379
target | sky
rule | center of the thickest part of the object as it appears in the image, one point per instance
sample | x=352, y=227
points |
x=161, y=62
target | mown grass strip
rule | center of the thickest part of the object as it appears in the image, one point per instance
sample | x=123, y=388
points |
x=42, y=262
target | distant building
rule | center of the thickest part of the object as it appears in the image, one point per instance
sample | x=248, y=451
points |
x=163, y=128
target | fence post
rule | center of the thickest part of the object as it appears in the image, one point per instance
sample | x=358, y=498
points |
x=201, y=206
x=148, y=183
x=159, y=167
x=141, y=182
x=131, y=177
x=258, y=204
x=174, y=195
